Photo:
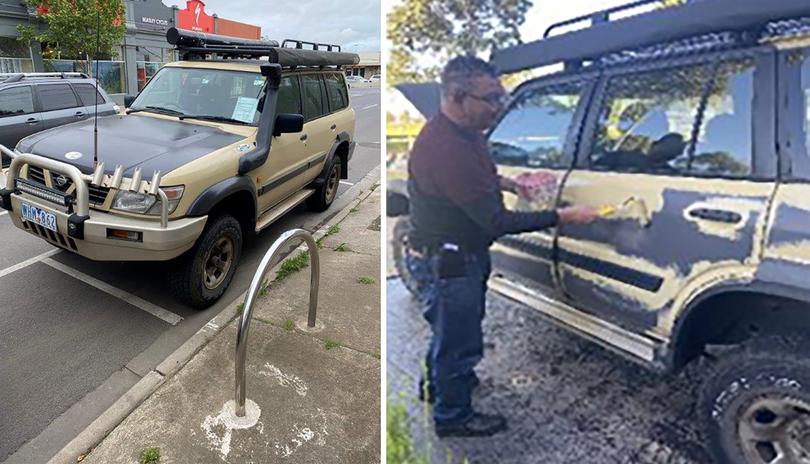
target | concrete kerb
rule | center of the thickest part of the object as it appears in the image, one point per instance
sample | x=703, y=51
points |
x=94, y=433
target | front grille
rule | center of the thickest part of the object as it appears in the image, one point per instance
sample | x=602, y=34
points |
x=98, y=195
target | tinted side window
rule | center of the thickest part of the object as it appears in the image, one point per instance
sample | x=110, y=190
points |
x=56, y=97
x=533, y=131
x=16, y=101
x=647, y=121
x=724, y=144
x=289, y=95
x=806, y=93
x=335, y=86
x=313, y=96
x=86, y=92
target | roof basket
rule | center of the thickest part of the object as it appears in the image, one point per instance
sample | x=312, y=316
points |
x=197, y=45
x=299, y=44
x=605, y=36
x=16, y=77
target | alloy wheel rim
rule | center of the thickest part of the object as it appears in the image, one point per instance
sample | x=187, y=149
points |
x=218, y=263
x=776, y=430
x=332, y=183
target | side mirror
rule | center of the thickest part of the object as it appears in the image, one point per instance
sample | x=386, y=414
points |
x=288, y=123
x=128, y=99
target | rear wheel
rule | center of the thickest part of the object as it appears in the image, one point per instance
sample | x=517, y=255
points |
x=324, y=195
x=755, y=406
x=203, y=274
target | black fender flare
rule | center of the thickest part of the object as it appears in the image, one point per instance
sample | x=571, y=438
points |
x=342, y=137
x=211, y=196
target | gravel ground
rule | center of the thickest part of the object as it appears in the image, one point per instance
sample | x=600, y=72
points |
x=567, y=400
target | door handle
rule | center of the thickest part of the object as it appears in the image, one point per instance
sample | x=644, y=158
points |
x=79, y=114
x=716, y=215
x=303, y=138
x=334, y=126
x=31, y=121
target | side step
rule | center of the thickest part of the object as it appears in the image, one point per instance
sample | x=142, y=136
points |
x=271, y=215
x=602, y=332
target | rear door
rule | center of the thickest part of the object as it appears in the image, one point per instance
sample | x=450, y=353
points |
x=86, y=93
x=686, y=155
x=18, y=117
x=341, y=117
x=59, y=105
x=536, y=135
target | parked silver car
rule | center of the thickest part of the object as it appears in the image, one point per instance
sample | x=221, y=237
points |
x=33, y=102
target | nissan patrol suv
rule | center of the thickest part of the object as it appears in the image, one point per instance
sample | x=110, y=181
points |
x=211, y=150
x=689, y=127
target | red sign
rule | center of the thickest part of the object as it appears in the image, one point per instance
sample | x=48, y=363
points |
x=194, y=17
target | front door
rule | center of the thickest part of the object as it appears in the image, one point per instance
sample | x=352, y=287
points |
x=532, y=138
x=671, y=151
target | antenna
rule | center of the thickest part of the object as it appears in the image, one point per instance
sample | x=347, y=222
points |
x=95, y=122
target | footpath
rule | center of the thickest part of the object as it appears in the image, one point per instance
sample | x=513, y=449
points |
x=313, y=394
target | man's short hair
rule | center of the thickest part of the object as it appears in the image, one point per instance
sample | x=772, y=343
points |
x=461, y=69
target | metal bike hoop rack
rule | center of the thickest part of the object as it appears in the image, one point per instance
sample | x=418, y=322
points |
x=252, y=296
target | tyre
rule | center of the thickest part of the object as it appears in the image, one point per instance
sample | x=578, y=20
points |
x=400, y=244
x=324, y=195
x=755, y=404
x=203, y=274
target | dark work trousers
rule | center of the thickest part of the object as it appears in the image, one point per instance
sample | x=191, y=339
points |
x=453, y=288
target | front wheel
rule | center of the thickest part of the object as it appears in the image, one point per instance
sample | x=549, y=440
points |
x=755, y=405
x=324, y=195
x=203, y=274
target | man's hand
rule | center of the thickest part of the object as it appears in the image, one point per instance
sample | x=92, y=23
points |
x=578, y=214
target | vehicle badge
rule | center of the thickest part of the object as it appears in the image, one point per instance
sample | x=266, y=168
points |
x=61, y=180
x=244, y=147
x=73, y=155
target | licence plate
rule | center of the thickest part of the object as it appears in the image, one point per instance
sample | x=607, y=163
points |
x=39, y=216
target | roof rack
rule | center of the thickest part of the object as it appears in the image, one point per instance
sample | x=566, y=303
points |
x=748, y=18
x=16, y=77
x=197, y=45
x=299, y=44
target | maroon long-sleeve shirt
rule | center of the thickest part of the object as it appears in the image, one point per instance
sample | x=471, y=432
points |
x=455, y=190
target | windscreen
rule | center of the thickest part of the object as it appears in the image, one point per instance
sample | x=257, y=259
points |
x=197, y=92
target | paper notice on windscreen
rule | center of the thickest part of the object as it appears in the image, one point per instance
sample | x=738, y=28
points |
x=245, y=109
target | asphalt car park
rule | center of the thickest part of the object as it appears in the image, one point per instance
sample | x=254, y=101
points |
x=77, y=334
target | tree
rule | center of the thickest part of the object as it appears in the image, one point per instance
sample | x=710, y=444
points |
x=435, y=30
x=73, y=26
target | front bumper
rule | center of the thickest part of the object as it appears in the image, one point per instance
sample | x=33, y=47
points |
x=158, y=243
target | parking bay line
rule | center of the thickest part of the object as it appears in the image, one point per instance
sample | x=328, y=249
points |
x=29, y=262
x=3, y=213
x=367, y=107
x=125, y=296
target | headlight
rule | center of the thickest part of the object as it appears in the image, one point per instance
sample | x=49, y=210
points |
x=147, y=204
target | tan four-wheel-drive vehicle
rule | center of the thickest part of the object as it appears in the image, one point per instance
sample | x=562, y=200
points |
x=690, y=127
x=211, y=150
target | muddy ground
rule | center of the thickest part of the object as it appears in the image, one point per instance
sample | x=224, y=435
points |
x=567, y=400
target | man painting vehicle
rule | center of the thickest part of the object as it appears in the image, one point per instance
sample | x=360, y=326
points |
x=457, y=212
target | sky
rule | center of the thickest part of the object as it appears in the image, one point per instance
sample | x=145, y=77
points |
x=542, y=14
x=353, y=24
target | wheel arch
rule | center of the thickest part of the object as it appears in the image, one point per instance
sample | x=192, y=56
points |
x=733, y=313
x=236, y=195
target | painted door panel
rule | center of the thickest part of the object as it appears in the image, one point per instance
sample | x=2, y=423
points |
x=59, y=105
x=682, y=204
x=533, y=138
x=18, y=118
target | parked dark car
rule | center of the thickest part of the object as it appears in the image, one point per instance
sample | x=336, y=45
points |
x=691, y=125
x=33, y=102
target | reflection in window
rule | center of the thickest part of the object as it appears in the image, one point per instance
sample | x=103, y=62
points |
x=647, y=121
x=806, y=89
x=533, y=131
x=16, y=101
x=724, y=144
